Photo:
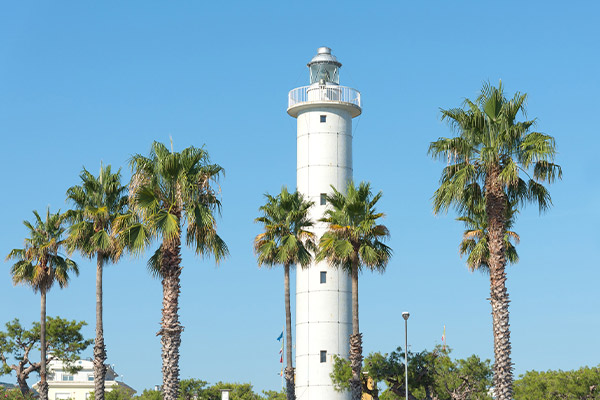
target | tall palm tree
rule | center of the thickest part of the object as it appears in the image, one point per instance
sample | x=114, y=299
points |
x=98, y=201
x=39, y=265
x=170, y=190
x=354, y=240
x=286, y=241
x=494, y=150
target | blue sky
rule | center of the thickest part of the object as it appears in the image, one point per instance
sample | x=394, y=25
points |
x=84, y=83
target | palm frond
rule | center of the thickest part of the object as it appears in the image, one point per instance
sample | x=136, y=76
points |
x=489, y=139
x=285, y=239
x=354, y=236
x=38, y=264
x=154, y=264
x=172, y=189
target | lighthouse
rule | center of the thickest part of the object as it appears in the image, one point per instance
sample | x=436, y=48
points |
x=324, y=111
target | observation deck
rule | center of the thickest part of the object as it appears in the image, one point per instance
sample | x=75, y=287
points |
x=306, y=97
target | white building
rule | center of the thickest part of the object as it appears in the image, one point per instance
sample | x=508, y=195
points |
x=64, y=385
x=324, y=111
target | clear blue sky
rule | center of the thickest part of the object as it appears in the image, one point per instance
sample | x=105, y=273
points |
x=83, y=83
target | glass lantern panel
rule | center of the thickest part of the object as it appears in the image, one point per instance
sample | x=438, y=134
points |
x=328, y=72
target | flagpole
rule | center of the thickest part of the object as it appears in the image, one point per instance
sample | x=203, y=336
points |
x=281, y=355
x=282, y=347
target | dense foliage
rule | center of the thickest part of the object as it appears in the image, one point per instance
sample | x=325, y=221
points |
x=581, y=384
x=196, y=389
x=14, y=394
x=431, y=374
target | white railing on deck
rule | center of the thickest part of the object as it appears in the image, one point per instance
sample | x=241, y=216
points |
x=323, y=93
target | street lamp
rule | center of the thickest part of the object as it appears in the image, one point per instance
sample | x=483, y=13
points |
x=405, y=315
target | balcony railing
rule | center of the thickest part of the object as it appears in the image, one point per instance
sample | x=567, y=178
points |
x=307, y=94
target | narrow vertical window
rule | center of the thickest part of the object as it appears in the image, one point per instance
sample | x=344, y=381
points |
x=323, y=276
x=323, y=199
x=323, y=356
x=323, y=118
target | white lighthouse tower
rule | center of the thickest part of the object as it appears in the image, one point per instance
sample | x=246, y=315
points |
x=324, y=112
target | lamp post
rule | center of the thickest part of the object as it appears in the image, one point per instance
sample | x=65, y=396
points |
x=405, y=315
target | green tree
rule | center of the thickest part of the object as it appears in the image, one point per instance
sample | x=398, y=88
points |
x=239, y=391
x=39, y=265
x=116, y=392
x=98, y=201
x=286, y=241
x=431, y=374
x=581, y=384
x=170, y=190
x=273, y=395
x=354, y=240
x=148, y=394
x=192, y=389
x=494, y=150
x=64, y=342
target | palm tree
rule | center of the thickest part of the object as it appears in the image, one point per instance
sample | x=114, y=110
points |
x=286, y=241
x=495, y=151
x=98, y=201
x=39, y=266
x=353, y=241
x=169, y=190
x=475, y=237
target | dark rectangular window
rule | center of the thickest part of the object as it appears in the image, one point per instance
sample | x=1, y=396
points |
x=323, y=356
x=323, y=118
x=323, y=199
x=323, y=276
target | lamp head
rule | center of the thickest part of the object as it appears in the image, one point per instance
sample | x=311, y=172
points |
x=405, y=315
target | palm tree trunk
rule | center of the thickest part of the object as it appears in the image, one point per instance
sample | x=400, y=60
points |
x=289, y=370
x=43, y=383
x=99, y=348
x=170, y=327
x=496, y=203
x=355, y=340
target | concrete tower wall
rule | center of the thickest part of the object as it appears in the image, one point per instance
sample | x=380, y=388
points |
x=323, y=310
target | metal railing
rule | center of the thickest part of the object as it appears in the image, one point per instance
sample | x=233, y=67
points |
x=306, y=94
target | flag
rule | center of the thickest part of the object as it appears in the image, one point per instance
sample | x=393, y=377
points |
x=444, y=338
x=281, y=358
x=280, y=336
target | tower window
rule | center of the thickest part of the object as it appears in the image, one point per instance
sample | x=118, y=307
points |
x=323, y=276
x=323, y=118
x=323, y=199
x=323, y=356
